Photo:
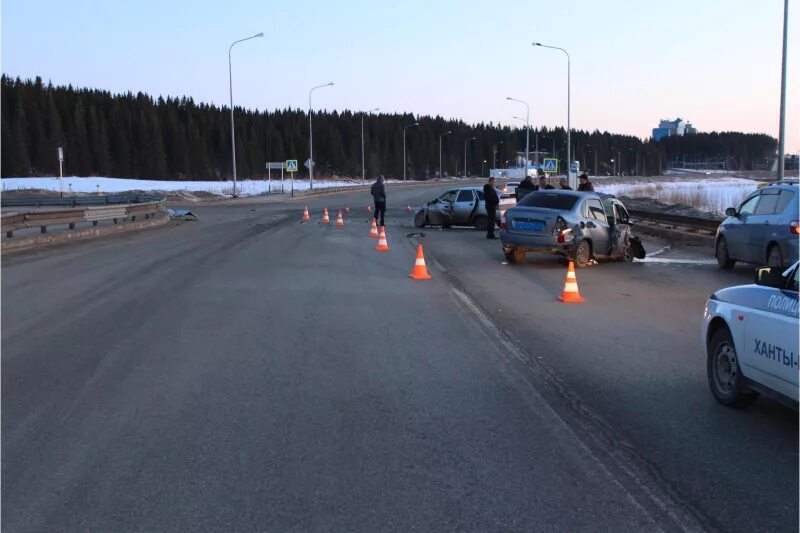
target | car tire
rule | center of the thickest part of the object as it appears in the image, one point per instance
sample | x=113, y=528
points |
x=774, y=256
x=516, y=256
x=583, y=254
x=419, y=219
x=724, y=374
x=481, y=222
x=724, y=260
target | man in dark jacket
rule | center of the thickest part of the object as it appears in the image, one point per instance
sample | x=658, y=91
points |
x=524, y=188
x=491, y=200
x=378, y=191
x=585, y=184
x=543, y=184
x=563, y=184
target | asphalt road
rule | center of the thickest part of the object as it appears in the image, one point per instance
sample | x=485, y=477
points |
x=246, y=372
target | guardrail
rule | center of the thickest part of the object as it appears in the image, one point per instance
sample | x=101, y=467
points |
x=76, y=201
x=700, y=224
x=11, y=222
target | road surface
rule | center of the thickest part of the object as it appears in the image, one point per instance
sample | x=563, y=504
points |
x=246, y=372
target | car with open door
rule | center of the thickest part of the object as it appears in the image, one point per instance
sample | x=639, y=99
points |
x=460, y=207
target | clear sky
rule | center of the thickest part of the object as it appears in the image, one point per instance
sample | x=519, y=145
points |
x=715, y=63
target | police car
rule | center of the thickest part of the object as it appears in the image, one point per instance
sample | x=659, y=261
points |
x=751, y=337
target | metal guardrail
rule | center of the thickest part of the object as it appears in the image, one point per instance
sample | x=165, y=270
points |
x=76, y=201
x=678, y=220
x=11, y=222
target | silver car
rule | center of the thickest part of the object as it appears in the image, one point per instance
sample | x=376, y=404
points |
x=460, y=207
x=581, y=226
x=764, y=229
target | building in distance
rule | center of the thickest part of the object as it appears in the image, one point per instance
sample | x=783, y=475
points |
x=669, y=128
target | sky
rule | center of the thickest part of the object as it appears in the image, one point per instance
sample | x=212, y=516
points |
x=716, y=63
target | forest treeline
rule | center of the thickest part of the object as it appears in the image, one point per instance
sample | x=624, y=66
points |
x=136, y=135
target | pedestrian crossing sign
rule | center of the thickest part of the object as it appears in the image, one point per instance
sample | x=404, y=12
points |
x=550, y=164
x=291, y=165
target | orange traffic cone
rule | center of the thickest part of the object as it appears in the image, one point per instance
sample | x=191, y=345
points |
x=571, y=294
x=369, y=208
x=408, y=207
x=374, y=231
x=383, y=246
x=420, y=270
x=325, y=218
x=339, y=220
x=305, y=218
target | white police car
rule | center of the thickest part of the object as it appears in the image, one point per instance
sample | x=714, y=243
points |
x=751, y=337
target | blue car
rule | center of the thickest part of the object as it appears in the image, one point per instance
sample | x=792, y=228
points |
x=582, y=226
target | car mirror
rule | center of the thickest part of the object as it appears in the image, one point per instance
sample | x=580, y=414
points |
x=730, y=212
x=770, y=277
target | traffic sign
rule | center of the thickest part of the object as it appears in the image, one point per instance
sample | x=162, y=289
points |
x=291, y=165
x=550, y=164
x=275, y=165
x=60, y=154
x=309, y=163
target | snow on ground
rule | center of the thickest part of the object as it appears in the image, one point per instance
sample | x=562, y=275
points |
x=115, y=185
x=713, y=195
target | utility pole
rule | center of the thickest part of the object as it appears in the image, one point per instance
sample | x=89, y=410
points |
x=782, y=127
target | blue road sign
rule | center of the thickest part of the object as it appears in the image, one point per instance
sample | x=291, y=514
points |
x=550, y=164
x=291, y=165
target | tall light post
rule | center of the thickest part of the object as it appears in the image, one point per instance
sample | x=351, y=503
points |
x=415, y=124
x=363, y=161
x=230, y=87
x=311, y=136
x=782, y=124
x=527, y=131
x=569, y=138
x=465, y=155
x=494, y=153
x=482, y=164
x=448, y=132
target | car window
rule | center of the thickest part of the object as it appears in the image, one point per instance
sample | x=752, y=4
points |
x=480, y=195
x=621, y=214
x=596, y=210
x=549, y=200
x=769, y=199
x=793, y=281
x=749, y=205
x=783, y=201
x=608, y=205
x=449, y=196
x=465, y=195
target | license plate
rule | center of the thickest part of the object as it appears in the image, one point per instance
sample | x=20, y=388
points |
x=529, y=225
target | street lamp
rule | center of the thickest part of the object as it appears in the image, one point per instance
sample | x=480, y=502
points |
x=569, y=139
x=448, y=132
x=483, y=163
x=230, y=87
x=363, y=161
x=404, y=146
x=311, y=137
x=494, y=153
x=527, y=130
x=465, y=155
x=613, y=168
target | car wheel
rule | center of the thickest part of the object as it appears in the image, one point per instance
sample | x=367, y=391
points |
x=583, y=254
x=419, y=219
x=516, y=256
x=774, y=257
x=724, y=374
x=481, y=223
x=724, y=260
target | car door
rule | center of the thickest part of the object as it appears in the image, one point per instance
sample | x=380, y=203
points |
x=770, y=355
x=464, y=206
x=598, y=227
x=440, y=213
x=736, y=229
x=761, y=227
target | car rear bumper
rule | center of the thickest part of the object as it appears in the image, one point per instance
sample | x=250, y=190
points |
x=534, y=243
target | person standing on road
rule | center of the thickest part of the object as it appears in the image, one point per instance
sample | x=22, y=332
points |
x=543, y=184
x=524, y=188
x=585, y=184
x=378, y=191
x=562, y=183
x=491, y=200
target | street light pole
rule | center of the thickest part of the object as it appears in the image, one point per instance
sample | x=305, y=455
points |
x=230, y=87
x=404, y=147
x=448, y=132
x=465, y=155
x=494, y=153
x=363, y=161
x=482, y=164
x=311, y=137
x=569, y=129
x=527, y=131
x=782, y=126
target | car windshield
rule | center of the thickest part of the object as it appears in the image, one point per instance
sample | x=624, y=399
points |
x=549, y=200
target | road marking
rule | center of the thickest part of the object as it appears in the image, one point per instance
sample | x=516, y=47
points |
x=676, y=261
x=505, y=347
